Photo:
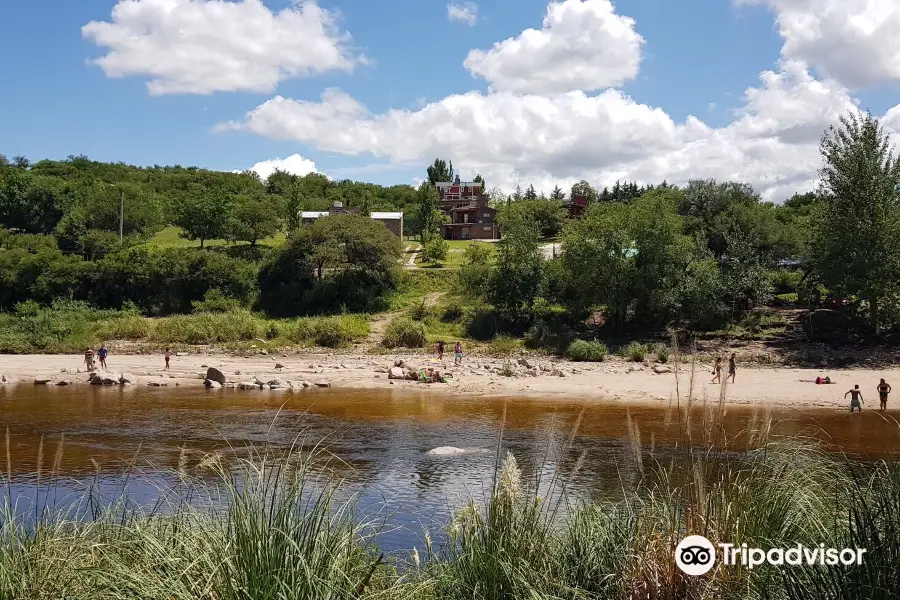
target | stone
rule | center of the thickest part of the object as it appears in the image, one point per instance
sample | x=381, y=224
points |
x=396, y=373
x=546, y=368
x=213, y=374
x=660, y=369
x=62, y=382
x=524, y=362
x=7, y=379
x=382, y=370
x=127, y=378
x=103, y=378
x=277, y=383
x=305, y=383
x=248, y=385
x=279, y=366
x=561, y=373
x=237, y=373
x=258, y=381
x=576, y=371
x=264, y=352
x=181, y=354
x=323, y=384
x=158, y=383
x=213, y=385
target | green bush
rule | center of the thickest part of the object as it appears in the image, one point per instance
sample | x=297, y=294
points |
x=662, y=353
x=792, y=298
x=435, y=250
x=404, y=333
x=503, y=345
x=419, y=312
x=482, y=324
x=214, y=301
x=329, y=332
x=585, y=351
x=635, y=351
x=452, y=312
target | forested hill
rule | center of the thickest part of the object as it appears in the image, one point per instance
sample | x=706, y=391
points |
x=35, y=197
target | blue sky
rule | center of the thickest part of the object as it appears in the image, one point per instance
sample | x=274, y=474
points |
x=697, y=58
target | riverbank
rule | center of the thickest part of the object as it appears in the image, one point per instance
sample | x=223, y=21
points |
x=533, y=377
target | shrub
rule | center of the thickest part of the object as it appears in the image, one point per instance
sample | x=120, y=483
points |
x=452, y=312
x=214, y=301
x=635, y=351
x=435, y=250
x=503, y=345
x=419, y=312
x=585, y=351
x=404, y=333
x=482, y=324
x=662, y=353
x=758, y=321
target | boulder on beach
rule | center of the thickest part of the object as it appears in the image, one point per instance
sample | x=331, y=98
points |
x=214, y=385
x=103, y=378
x=660, y=369
x=323, y=384
x=248, y=385
x=62, y=382
x=396, y=373
x=126, y=378
x=213, y=374
x=42, y=380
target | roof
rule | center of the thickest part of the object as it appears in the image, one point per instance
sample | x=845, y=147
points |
x=315, y=214
x=474, y=207
x=458, y=183
x=387, y=215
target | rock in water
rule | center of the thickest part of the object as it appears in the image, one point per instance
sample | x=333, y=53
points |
x=127, y=378
x=279, y=366
x=446, y=451
x=323, y=384
x=248, y=385
x=396, y=373
x=213, y=374
x=213, y=385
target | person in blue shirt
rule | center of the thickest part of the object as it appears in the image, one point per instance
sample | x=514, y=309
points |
x=102, y=354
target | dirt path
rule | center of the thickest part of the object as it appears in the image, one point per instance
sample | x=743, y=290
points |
x=411, y=263
x=379, y=324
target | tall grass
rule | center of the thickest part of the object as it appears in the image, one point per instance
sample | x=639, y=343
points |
x=72, y=326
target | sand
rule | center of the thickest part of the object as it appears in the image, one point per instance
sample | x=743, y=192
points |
x=613, y=380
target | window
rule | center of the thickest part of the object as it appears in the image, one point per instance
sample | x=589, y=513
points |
x=465, y=233
x=486, y=216
x=465, y=217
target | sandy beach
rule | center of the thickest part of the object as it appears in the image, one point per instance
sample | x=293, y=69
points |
x=535, y=377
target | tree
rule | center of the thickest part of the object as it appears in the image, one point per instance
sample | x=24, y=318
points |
x=429, y=216
x=548, y=215
x=254, y=218
x=338, y=262
x=203, y=216
x=530, y=194
x=441, y=170
x=516, y=281
x=856, y=232
x=517, y=195
x=435, y=250
x=480, y=179
x=584, y=189
x=557, y=194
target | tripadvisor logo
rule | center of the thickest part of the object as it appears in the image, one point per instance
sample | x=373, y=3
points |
x=696, y=555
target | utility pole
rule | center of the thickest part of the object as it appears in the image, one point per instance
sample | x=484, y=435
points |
x=121, y=213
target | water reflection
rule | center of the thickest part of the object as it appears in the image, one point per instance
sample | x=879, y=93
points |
x=379, y=441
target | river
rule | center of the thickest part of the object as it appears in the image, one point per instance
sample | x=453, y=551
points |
x=382, y=439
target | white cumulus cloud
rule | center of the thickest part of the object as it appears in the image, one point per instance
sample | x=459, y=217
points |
x=582, y=45
x=206, y=46
x=542, y=126
x=293, y=164
x=466, y=12
x=853, y=41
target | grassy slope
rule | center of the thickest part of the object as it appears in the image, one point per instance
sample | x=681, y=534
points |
x=170, y=237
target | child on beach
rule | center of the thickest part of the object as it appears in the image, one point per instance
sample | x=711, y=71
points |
x=168, y=356
x=458, y=351
x=440, y=350
x=102, y=354
x=732, y=367
x=856, y=398
x=89, y=360
x=717, y=371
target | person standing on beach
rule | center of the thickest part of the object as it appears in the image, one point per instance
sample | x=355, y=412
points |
x=440, y=350
x=732, y=367
x=102, y=354
x=856, y=398
x=89, y=360
x=457, y=360
x=884, y=389
x=168, y=357
x=717, y=371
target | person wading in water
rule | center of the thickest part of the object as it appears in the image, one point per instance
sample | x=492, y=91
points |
x=856, y=398
x=884, y=389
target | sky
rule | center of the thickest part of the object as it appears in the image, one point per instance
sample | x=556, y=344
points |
x=521, y=91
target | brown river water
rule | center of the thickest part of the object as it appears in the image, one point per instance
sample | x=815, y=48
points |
x=382, y=439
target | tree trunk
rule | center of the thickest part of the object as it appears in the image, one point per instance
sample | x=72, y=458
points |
x=201, y=243
x=873, y=308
